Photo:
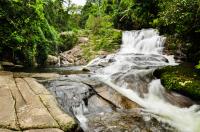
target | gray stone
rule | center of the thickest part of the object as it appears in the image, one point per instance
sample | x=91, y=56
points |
x=123, y=121
x=73, y=57
x=116, y=98
x=52, y=60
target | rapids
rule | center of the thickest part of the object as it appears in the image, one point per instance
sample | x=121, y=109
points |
x=129, y=72
x=119, y=92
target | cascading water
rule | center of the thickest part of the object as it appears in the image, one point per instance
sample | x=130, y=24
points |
x=142, y=42
x=130, y=73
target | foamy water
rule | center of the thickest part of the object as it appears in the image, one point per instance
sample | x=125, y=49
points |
x=141, y=53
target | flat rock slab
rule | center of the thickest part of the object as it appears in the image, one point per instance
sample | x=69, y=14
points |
x=7, y=109
x=37, y=88
x=65, y=122
x=26, y=105
x=33, y=114
x=8, y=117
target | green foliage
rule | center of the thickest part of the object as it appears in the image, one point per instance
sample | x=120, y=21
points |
x=29, y=30
x=182, y=15
x=25, y=29
x=125, y=14
x=108, y=40
x=68, y=39
x=102, y=37
x=174, y=43
x=198, y=66
x=56, y=15
x=86, y=11
x=96, y=24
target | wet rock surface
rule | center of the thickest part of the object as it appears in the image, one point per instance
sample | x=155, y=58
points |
x=125, y=121
x=100, y=108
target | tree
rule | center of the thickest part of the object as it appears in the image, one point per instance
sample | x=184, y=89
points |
x=181, y=17
x=25, y=31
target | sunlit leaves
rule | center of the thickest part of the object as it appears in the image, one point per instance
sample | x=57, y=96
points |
x=183, y=14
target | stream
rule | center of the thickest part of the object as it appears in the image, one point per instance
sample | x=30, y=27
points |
x=119, y=93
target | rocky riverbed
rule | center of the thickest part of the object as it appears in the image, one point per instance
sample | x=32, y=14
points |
x=98, y=107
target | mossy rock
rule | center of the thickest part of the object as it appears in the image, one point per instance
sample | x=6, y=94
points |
x=184, y=80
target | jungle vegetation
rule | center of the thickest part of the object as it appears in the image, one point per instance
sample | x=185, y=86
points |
x=32, y=29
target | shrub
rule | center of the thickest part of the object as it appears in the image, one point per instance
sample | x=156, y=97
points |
x=68, y=40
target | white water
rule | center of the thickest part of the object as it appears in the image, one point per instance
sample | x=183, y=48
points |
x=140, y=54
x=142, y=42
x=78, y=112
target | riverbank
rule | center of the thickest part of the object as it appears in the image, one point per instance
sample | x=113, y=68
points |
x=26, y=105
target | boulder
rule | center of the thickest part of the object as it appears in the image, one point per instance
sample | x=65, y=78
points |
x=52, y=60
x=73, y=57
x=7, y=64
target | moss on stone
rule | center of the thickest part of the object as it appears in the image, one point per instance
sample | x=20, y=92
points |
x=184, y=80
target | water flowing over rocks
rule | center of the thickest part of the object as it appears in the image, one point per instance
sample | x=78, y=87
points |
x=125, y=81
x=98, y=107
x=113, y=93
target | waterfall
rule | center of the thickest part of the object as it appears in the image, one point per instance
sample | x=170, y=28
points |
x=130, y=73
x=142, y=42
